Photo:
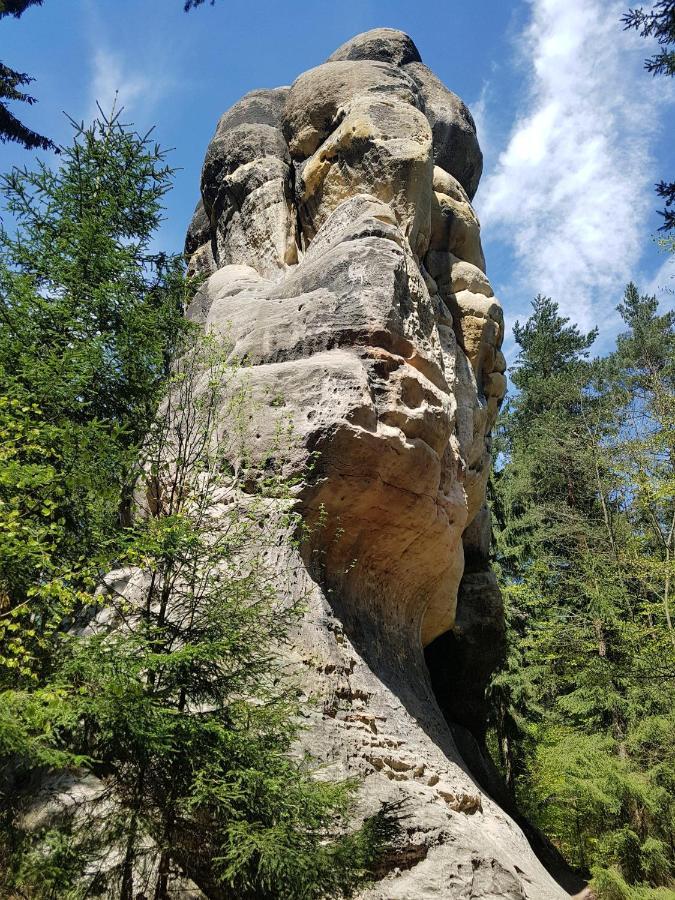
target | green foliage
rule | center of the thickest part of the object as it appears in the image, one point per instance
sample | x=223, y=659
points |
x=11, y=88
x=582, y=712
x=175, y=694
x=659, y=23
x=89, y=315
x=608, y=884
x=158, y=693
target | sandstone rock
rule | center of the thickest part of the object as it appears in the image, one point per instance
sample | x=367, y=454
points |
x=454, y=225
x=201, y=262
x=383, y=44
x=199, y=230
x=456, y=146
x=466, y=277
x=356, y=127
x=246, y=186
x=316, y=99
x=349, y=277
x=224, y=282
x=198, y=251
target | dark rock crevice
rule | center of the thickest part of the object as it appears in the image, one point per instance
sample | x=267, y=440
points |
x=461, y=663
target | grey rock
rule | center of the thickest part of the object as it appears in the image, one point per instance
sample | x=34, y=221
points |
x=349, y=277
x=382, y=44
x=246, y=186
x=201, y=263
x=475, y=644
x=261, y=107
x=199, y=230
x=317, y=98
x=456, y=147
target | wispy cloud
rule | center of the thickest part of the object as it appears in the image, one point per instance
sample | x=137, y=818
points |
x=662, y=284
x=572, y=190
x=480, y=112
x=115, y=80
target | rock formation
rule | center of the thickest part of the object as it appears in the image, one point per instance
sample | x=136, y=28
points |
x=344, y=264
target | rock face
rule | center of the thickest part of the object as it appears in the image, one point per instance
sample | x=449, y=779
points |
x=345, y=266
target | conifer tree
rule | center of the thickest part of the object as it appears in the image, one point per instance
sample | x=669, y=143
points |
x=11, y=89
x=89, y=313
x=583, y=711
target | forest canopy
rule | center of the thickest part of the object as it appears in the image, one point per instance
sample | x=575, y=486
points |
x=583, y=498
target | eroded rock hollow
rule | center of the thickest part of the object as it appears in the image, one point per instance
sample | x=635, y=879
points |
x=344, y=264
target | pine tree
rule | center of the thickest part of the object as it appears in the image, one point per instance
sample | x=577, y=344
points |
x=582, y=712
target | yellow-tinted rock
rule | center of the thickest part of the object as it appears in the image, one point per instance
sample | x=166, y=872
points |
x=361, y=305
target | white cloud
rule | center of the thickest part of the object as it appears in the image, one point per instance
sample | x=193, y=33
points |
x=572, y=190
x=662, y=285
x=115, y=81
x=480, y=112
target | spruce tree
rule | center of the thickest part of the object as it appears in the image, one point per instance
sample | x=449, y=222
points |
x=582, y=712
x=89, y=313
x=11, y=89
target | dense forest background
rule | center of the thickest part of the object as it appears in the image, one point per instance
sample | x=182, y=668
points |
x=583, y=499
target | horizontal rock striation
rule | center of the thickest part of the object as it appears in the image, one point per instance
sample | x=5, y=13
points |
x=345, y=267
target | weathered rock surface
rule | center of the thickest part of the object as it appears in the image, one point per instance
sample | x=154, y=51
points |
x=456, y=148
x=347, y=270
x=383, y=44
x=246, y=186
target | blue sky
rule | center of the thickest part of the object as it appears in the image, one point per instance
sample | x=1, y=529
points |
x=574, y=132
